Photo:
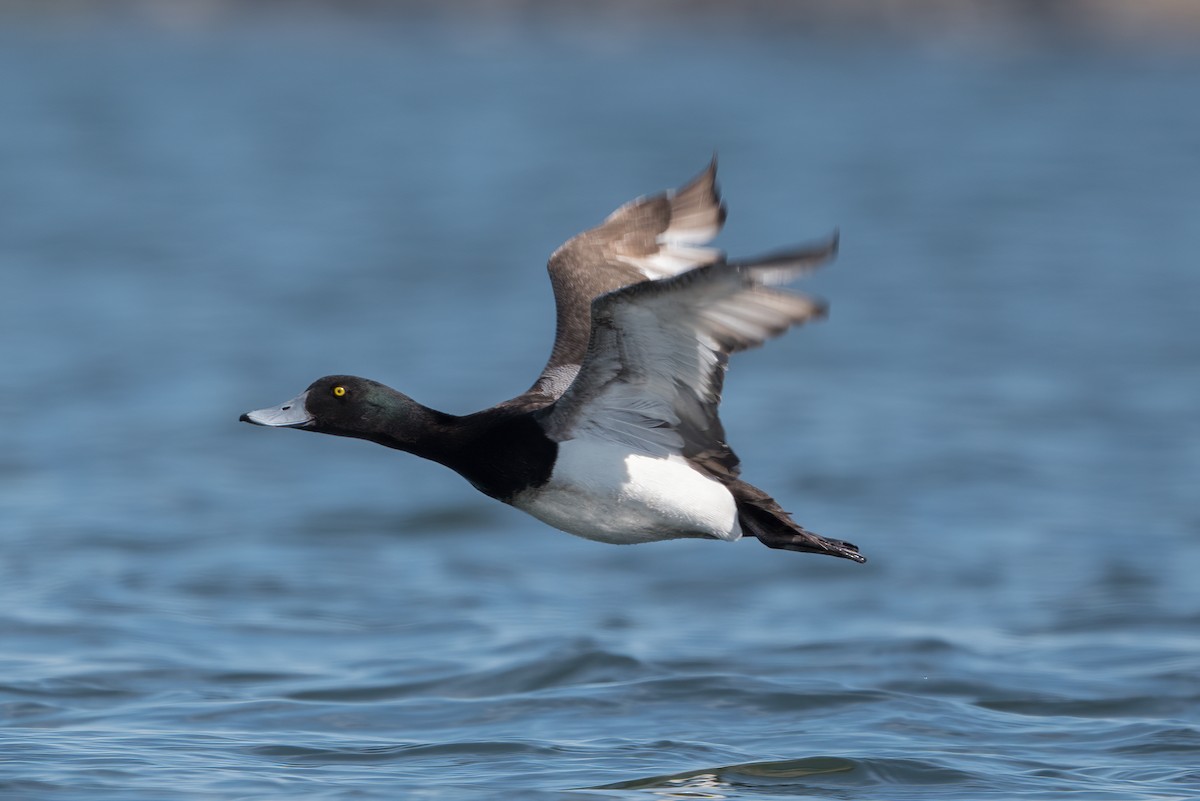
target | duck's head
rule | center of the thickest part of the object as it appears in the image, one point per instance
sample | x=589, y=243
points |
x=344, y=405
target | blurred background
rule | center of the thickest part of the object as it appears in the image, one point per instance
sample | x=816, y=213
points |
x=205, y=205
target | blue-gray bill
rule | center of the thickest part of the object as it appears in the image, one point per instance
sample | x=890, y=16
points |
x=292, y=414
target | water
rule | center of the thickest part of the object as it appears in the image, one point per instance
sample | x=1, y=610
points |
x=1001, y=411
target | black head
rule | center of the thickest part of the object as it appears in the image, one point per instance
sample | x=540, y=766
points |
x=344, y=405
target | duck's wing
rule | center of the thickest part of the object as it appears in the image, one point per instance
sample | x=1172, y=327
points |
x=648, y=238
x=656, y=358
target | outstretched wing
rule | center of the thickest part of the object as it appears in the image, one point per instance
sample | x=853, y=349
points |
x=648, y=238
x=656, y=359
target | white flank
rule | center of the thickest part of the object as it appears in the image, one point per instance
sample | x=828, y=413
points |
x=601, y=491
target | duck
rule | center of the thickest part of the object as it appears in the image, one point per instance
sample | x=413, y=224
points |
x=619, y=439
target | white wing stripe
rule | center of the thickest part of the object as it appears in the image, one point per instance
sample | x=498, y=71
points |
x=693, y=231
x=671, y=260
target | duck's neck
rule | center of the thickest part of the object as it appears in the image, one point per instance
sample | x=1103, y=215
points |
x=501, y=450
x=419, y=430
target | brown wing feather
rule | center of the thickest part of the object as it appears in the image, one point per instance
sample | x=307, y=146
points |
x=651, y=237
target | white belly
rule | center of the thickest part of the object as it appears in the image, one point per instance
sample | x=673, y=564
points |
x=602, y=492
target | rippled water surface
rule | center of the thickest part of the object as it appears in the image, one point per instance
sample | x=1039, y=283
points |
x=1003, y=411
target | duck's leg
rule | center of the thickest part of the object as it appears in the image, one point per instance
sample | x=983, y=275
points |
x=761, y=516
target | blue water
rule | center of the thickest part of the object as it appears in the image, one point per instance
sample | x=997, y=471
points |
x=1003, y=411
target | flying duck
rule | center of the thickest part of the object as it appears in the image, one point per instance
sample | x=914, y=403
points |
x=619, y=439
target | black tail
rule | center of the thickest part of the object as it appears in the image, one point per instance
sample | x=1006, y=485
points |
x=761, y=516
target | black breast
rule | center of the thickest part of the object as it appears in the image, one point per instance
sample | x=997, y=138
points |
x=503, y=455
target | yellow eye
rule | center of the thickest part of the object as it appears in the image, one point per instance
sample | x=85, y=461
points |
x=339, y=391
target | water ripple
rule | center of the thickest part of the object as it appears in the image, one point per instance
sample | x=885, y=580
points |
x=1001, y=412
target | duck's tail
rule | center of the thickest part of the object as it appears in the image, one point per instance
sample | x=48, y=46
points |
x=761, y=516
